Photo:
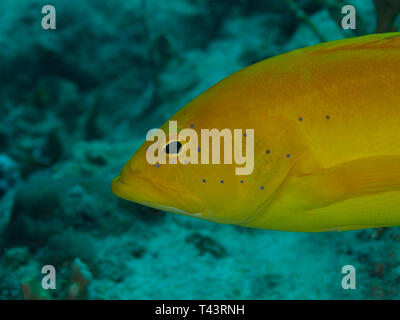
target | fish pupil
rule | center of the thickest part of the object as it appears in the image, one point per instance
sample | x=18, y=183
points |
x=173, y=147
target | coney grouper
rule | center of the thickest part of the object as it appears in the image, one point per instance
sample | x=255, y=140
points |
x=324, y=123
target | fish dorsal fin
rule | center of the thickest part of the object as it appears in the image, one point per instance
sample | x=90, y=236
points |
x=373, y=41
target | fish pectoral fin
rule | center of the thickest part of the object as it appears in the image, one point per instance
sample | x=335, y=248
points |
x=356, y=178
x=361, y=193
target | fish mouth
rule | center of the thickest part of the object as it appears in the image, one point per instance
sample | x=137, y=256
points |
x=155, y=195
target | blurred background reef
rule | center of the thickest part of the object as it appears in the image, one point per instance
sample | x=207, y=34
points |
x=76, y=102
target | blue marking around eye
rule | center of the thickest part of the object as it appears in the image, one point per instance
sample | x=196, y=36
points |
x=300, y=119
x=245, y=135
x=192, y=125
x=204, y=180
x=241, y=181
x=222, y=181
x=158, y=165
x=262, y=188
x=198, y=149
x=288, y=155
x=268, y=152
x=328, y=117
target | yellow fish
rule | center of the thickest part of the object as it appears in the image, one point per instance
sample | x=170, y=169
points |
x=326, y=123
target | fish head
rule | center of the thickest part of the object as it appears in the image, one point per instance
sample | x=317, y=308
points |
x=156, y=186
x=207, y=191
x=211, y=191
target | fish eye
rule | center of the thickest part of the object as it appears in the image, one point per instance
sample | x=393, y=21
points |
x=174, y=147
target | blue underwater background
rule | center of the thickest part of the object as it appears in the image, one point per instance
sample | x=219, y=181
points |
x=76, y=102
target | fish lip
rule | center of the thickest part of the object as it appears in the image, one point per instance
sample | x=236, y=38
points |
x=153, y=183
x=123, y=189
x=116, y=185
